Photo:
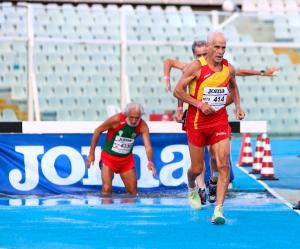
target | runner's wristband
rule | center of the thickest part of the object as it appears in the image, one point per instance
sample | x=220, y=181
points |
x=150, y=162
x=179, y=108
x=167, y=77
x=200, y=104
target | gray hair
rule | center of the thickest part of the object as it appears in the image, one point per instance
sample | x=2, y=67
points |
x=198, y=43
x=212, y=35
x=133, y=106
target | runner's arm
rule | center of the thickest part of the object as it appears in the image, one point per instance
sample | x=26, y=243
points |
x=107, y=124
x=187, y=77
x=148, y=148
x=270, y=72
x=234, y=92
x=191, y=73
x=168, y=65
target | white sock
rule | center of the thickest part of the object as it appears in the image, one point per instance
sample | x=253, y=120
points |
x=196, y=188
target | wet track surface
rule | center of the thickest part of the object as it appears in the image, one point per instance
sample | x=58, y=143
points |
x=254, y=218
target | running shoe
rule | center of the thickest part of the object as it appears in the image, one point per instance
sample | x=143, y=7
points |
x=194, y=198
x=212, y=191
x=218, y=217
x=202, y=195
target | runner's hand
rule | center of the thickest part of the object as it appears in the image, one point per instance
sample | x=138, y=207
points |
x=90, y=160
x=240, y=114
x=272, y=71
x=178, y=116
x=207, y=109
x=152, y=168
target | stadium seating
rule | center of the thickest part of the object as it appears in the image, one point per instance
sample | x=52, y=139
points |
x=8, y=115
x=77, y=57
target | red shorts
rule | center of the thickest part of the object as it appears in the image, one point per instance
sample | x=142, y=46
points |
x=208, y=136
x=118, y=164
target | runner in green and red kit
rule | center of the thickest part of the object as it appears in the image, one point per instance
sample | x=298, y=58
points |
x=116, y=156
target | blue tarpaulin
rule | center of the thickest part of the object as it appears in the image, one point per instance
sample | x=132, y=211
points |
x=56, y=163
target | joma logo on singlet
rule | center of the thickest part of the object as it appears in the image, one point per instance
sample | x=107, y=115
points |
x=124, y=139
x=216, y=91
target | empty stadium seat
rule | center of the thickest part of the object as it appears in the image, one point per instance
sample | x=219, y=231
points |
x=86, y=74
x=8, y=115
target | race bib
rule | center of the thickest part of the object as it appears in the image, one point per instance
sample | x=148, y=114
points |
x=122, y=145
x=215, y=97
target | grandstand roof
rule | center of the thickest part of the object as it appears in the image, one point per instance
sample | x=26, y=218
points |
x=150, y=2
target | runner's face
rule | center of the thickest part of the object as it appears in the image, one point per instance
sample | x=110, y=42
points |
x=217, y=49
x=200, y=51
x=133, y=117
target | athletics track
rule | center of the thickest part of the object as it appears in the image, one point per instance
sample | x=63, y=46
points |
x=255, y=218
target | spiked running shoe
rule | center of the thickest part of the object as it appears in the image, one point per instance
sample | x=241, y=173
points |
x=218, y=217
x=194, y=199
x=212, y=191
x=202, y=195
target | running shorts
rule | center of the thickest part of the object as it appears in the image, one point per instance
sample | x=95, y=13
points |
x=208, y=136
x=118, y=164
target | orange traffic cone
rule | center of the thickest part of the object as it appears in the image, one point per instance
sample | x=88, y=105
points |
x=297, y=206
x=267, y=170
x=258, y=156
x=246, y=158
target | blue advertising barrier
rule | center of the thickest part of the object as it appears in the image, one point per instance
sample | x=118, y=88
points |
x=56, y=163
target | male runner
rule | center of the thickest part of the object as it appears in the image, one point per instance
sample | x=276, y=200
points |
x=116, y=157
x=199, y=48
x=209, y=80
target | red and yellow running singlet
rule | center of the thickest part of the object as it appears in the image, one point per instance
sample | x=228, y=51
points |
x=211, y=87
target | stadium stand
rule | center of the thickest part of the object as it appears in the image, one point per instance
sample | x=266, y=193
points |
x=77, y=57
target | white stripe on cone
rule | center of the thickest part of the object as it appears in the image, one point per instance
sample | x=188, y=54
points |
x=248, y=149
x=267, y=171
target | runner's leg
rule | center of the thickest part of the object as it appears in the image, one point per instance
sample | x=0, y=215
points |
x=129, y=179
x=221, y=152
x=107, y=175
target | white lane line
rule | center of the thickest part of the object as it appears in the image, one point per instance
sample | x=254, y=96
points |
x=270, y=190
